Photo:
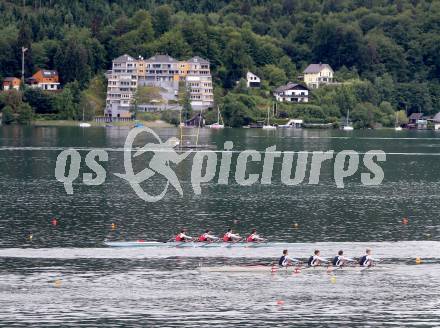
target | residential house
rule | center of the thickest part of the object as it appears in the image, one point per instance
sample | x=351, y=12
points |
x=316, y=75
x=417, y=120
x=44, y=79
x=10, y=83
x=436, y=121
x=122, y=85
x=292, y=92
x=414, y=117
x=252, y=81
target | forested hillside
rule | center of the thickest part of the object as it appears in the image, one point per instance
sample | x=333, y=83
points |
x=389, y=50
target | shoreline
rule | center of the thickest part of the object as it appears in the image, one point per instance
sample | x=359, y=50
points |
x=154, y=124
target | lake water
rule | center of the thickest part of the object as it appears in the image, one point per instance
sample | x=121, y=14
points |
x=66, y=275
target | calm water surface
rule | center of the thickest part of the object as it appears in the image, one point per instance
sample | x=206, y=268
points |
x=66, y=275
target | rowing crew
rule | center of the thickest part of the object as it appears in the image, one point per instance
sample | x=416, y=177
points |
x=229, y=236
x=339, y=260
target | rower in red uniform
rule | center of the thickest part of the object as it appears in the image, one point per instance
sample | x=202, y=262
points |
x=182, y=237
x=254, y=237
x=230, y=236
x=207, y=237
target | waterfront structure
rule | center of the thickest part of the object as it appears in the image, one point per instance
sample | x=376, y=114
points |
x=436, y=121
x=252, y=81
x=163, y=72
x=292, y=92
x=316, y=75
x=418, y=121
x=44, y=79
x=11, y=83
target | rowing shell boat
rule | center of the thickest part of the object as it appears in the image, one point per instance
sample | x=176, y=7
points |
x=174, y=244
x=290, y=269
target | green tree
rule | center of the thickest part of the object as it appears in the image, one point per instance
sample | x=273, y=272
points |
x=184, y=100
x=401, y=117
x=363, y=115
x=25, y=114
x=274, y=75
x=8, y=115
x=162, y=19
x=65, y=106
x=40, y=101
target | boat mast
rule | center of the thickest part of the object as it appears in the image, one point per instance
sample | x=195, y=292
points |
x=180, y=127
x=268, y=120
x=198, y=128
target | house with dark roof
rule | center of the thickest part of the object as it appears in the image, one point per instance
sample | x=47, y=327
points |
x=417, y=121
x=11, y=83
x=414, y=117
x=292, y=92
x=316, y=75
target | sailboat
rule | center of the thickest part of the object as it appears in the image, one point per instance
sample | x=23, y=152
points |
x=84, y=124
x=217, y=125
x=268, y=126
x=347, y=127
x=397, y=127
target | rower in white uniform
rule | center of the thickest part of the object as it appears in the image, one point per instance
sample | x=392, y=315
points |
x=316, y=259
x=254, y=237
x=207, y=236
x=285, y=260
x=367, y=260
x=230, y=236
x=183, y=237
x=340, y=260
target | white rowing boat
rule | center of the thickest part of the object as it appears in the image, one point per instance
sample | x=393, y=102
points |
x=173, y=244
x=289, y=269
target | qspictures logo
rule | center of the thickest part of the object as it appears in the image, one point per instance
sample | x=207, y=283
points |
x=208, y=164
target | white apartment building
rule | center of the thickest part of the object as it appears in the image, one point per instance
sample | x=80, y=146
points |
x=122, y=85
x=162, y=71
x=199, y=81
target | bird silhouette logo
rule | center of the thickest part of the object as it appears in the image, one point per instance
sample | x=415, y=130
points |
x=164, y=154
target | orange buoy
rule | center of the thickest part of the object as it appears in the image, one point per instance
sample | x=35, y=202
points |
x=113, y=226
x=405, y=221
x=54, y=221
